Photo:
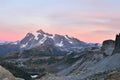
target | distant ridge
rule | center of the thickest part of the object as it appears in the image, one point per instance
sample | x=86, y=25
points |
x=33, y=39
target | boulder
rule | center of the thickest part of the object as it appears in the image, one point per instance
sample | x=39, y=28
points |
x=108, y=47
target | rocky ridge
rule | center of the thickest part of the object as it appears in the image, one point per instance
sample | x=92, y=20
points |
x=34, y=39
x=94, y=64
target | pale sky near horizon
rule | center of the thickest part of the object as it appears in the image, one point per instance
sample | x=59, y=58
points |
x=87, y=20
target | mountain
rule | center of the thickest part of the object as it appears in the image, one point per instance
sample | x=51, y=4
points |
x=40, y=37
x=31, y=40
x=92, y=62
x=6, y=47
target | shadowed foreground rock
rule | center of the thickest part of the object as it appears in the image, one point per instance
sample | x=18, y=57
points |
x=108, y=47
x=115, y=76
x=117, y=44
x=6, y=75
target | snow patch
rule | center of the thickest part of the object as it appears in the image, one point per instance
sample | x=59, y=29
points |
x=43, y=39
x=60, y=44
x=34, y=76
x=15, y=43
x=52, y=37
x=23, y=45
x=70, y=42
x=68, y=39
x=36, y=35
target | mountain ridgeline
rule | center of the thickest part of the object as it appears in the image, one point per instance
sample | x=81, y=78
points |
x=57, y=57
x=59, y=44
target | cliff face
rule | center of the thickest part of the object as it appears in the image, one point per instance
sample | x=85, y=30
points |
x=117, y=44
x=108, y=47
x=6, y=75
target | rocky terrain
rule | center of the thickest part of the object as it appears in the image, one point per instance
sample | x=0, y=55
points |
x=78, y=61
x=40, y=51
x=79, y=65
x=6, y=75
x=96, y=64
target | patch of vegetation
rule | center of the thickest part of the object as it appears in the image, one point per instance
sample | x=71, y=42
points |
x=39, y=61
x=52, y=60
x=70, y=58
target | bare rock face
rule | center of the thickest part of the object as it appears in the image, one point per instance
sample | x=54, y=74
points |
x=108, y=47
x=6, y=75
x=117, y=44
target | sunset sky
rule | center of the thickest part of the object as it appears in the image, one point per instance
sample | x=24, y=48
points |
x=87, y=20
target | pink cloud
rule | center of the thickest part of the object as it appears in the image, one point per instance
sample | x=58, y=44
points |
x=87, y=26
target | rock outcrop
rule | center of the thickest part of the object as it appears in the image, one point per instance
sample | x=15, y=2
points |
x=108, y=47
x=117, y=44
x=6, y=75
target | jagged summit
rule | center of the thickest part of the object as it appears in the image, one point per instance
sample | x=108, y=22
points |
x=117, y=44
x=117, y=41
x=40, y=31
x=40, y=37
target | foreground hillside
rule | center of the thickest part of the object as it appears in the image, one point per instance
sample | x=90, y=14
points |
x=106, y=69
x=6, y=75
x=100, y=64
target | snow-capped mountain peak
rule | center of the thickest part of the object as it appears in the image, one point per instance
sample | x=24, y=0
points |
x=40, y=31
x=40, y=37
x=62, y=43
